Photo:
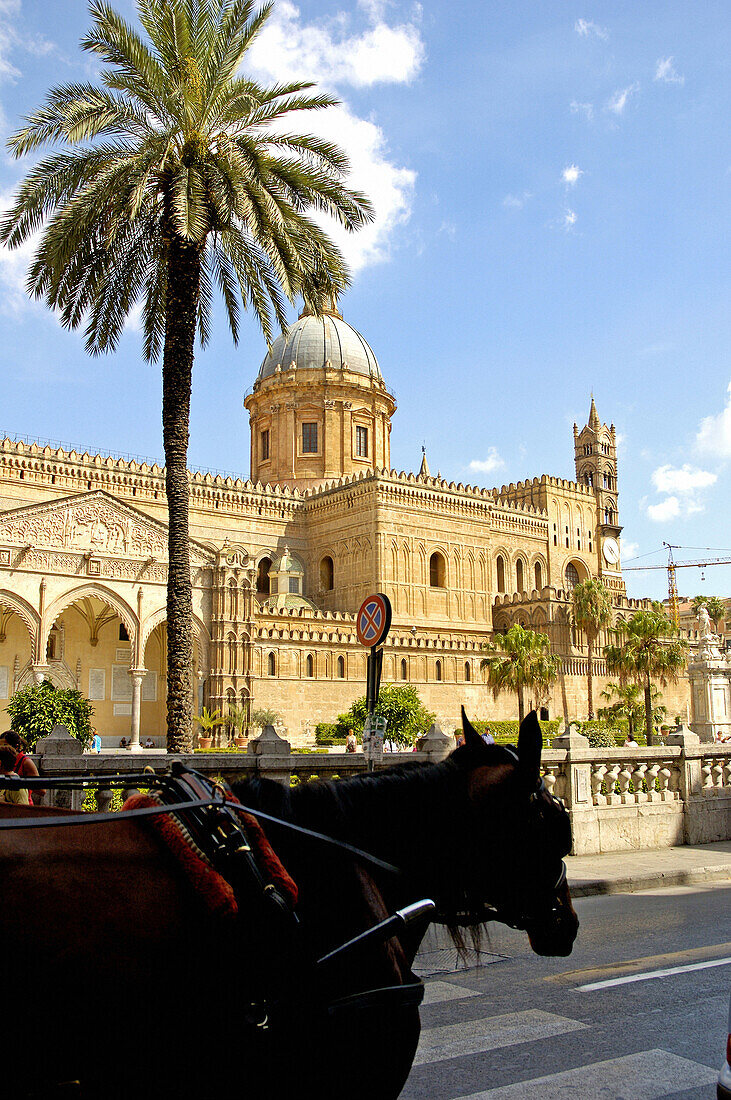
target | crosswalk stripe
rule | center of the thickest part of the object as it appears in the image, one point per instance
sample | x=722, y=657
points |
x=435, y=992
x=490, y=1033
x=651, y=974
x=645, y=1076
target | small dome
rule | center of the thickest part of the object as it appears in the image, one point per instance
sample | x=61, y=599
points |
x=314, y=342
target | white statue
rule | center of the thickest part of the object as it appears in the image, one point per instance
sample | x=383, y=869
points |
x=708, y=641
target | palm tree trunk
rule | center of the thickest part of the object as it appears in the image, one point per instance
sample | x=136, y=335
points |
x=648, y=709
x=184, y=265
x=590, y=674
x=521, y=705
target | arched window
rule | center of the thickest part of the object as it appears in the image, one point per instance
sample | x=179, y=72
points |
x=572, y=576
x=310, y=665
x=437, y=571
x=341, y=668
x=467, y=672
x=539, y=576
x=404, y=670
x=327, y=574
x=439, y=670
x=262, y=576
x=500, y=566
x=519, y=575
x=271, y=665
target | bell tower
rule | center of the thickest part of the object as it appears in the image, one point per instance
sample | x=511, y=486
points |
x=595, y=455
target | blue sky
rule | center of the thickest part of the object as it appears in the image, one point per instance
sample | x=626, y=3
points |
x=552, y=189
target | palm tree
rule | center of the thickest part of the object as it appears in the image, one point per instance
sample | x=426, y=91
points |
x=649, y=649
x=592, y=609
x=175, y=176
x=625, y=702
x=517, y=660
x=209, y=721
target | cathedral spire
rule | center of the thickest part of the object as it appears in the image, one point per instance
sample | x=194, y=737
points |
x=594, y=421
x=424, y=471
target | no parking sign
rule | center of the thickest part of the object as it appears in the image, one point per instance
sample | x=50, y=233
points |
x=374, y=620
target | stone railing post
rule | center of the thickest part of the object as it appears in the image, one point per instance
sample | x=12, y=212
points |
x=690, y=778
x=274, y=759
x=59, y=743
x=436, y=744
x=577, y=793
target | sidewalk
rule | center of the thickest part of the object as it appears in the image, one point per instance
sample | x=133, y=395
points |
x=628, y=872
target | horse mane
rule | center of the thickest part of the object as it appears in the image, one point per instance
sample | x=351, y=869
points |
x=414, y=815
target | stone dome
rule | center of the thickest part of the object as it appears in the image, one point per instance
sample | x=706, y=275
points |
x=312, y=342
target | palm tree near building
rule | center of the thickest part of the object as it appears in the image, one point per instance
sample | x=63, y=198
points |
x=591, y=605
x=174, y=177
x=518, y=660
x=648, y=649
x=625, y=702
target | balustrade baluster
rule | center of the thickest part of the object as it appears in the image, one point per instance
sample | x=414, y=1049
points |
x=663, y=781
x=612, y=775
x=638, y=782
x=706, y=772
x=103, y=798
x=717, y=773
x=623, y=780
x=652, y=773
x=598, y=771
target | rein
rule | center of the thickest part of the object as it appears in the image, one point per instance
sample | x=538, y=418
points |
x=217, y=801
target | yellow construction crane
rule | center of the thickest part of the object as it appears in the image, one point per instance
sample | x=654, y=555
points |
x=671, y=566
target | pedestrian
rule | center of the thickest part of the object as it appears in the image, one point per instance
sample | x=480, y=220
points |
x=24, y=766
x=123, y=743
x=630, y=743
x=487, y=737
x=96, y=742
x=350, y=742
x=7, y=767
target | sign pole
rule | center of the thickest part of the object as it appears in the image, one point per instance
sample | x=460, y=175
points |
x=372, y=626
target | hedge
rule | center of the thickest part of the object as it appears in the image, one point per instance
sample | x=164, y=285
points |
x=506, y=733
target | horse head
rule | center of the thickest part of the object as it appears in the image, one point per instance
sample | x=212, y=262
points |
x=518, y=836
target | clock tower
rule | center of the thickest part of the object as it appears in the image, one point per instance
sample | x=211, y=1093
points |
x=595, y=455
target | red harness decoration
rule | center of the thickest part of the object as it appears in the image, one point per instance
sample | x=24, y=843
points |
x=212, y=887
x=268, y=860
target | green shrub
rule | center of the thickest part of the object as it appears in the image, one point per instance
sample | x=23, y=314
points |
x=329, y=733
x=408, y=718
x=609, y=735
x=36, y=709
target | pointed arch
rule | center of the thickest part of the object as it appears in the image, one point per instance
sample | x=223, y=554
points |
x=25, y=611
x=100, y=592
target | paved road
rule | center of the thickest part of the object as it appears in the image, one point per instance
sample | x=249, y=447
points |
x=522, y=1027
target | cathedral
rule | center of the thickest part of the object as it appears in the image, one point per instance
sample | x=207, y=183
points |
x=281, y=562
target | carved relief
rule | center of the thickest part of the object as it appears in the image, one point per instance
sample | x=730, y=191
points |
x=94, y=524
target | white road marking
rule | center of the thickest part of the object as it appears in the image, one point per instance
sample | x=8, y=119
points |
x=436, y=992
x=645, y=1076
x=649, y=974
x=490, y=1033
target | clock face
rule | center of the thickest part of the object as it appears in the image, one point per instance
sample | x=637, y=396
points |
x=610, y=548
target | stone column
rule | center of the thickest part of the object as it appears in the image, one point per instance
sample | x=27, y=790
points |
x=59, y=755
x=577, y=794
x=137, y=675
x=273, y=752
x=436, y=744
x=709, y=673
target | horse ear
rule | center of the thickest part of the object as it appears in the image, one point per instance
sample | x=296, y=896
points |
x=472, y=738
x=530, y=743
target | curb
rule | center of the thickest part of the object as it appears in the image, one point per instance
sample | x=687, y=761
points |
x=631, y=884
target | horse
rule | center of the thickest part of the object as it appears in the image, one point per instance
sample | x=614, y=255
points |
x=120, y=981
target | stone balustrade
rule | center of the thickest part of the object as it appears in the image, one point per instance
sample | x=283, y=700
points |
x=619, y=799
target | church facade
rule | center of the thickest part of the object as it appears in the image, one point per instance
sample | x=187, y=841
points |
x=281, y=561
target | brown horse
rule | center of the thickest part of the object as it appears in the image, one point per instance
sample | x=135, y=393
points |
x=123, y=981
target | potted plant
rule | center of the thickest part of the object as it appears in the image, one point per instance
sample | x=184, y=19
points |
x=237, y=721
x=208, y=722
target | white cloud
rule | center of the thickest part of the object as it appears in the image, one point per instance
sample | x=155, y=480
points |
x=449, y=229
x=683, y=479
x=665, y=72
x=290, y=49
x=629, y=550
x=489, y=464
x=569, y=219
x=516, y=202
x=586, y=29
x=714, y=433
x=683, y=484
x=665, y=511
x=324, y=52
x=585, y=109
x=621, y=97
x=14, y=268
x=570, y=175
